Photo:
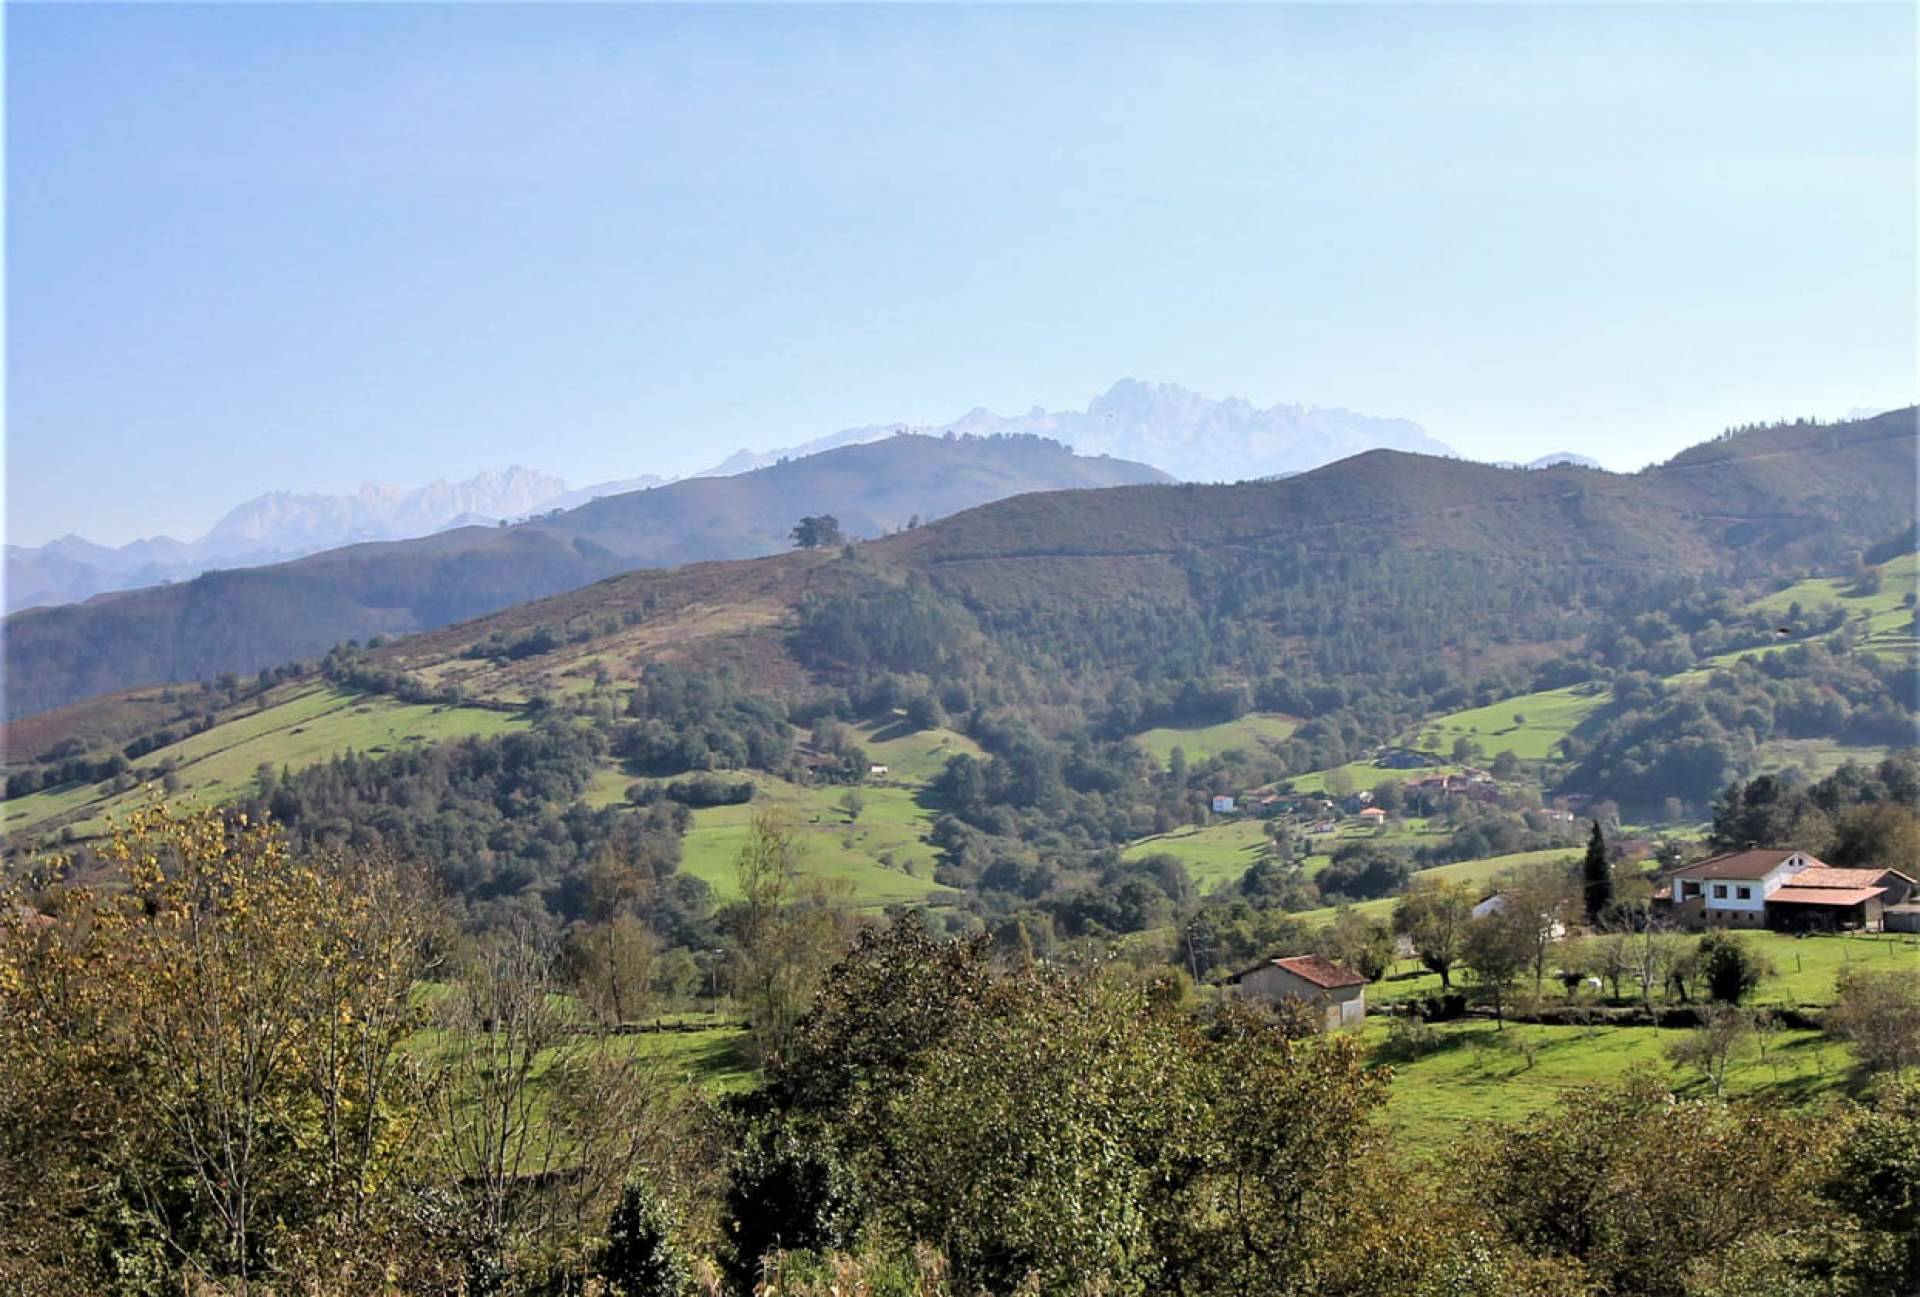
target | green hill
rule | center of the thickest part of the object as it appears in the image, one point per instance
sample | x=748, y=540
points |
x=257, y=617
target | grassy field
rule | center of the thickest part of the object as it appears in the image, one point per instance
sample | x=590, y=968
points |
x=1215, y=856
x=1528, y=725
x=308, y=725
x=1816, y=758
x=1251, y=733
x=1479, y=1073
x=1362, y=775
x=883, y=856
x=1475, y=873
x=1880, y=621
x=915, y=757
x=1804, y=968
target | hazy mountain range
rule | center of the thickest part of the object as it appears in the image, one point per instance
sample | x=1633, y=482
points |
x=1191, y=437
x=241, y=619
x=282, y=525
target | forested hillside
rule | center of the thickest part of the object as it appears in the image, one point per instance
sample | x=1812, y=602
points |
x=250, y=618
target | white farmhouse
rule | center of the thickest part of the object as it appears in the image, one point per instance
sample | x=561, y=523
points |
x=1781, y=889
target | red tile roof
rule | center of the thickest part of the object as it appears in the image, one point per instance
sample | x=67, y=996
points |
x=1825, y=876
x=1823, y=895
x=1321, y=971
x=1744, y=865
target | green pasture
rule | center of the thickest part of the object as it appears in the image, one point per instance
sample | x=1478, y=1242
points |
x=913, y=756
x=1880, y=621
x=1804, y=973
x=1251, y=733
x=1528, y=725
x=1361, y=775
x=1215, y=856
x=1480, y=1073
x=306, y=726
x=1218, y=853
x=1816, y=758
x=883, y=856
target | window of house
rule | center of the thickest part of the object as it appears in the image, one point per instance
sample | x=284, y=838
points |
x=1744, y=893
x=1719, y=891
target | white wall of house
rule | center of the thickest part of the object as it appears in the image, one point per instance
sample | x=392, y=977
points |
x=1755, y=901
x=1724, y=894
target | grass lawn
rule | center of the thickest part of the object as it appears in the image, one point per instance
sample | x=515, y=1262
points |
x=883, y=856
x=309, y=725
x=1480, y=1073
x=1251, y=733
x=1528, y=725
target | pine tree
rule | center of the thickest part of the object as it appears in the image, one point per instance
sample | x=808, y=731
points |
x=1597, y=876
x=641, y=1259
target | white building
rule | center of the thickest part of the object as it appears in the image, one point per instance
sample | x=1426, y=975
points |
x=1312, y=979
x=1730, y=891
x=1497, y=904
x=1779, y=888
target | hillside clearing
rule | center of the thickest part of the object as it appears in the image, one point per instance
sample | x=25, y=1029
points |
x=1250, y=733
x=1527, y=725
x=883, y=857
x=308, y=725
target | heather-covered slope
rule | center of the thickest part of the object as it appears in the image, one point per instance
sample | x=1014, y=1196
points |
x=247, y=619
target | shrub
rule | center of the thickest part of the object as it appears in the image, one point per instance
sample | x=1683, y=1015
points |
x=641, y=1258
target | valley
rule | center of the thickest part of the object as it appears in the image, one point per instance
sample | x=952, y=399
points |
x=1153, y=734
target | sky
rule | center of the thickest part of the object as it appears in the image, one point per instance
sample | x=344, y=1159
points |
x=302, y=247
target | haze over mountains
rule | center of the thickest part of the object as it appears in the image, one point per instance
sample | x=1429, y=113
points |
x=283, y=525
x=1192, y=437
x=247, y=618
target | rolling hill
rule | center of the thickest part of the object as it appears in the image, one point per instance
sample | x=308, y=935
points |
x=1506, y=552
x=246, y=619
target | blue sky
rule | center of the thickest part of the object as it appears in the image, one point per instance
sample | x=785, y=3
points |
x=303, y=247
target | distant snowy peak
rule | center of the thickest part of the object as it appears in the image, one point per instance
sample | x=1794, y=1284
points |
x=282, y=525
x=285, y=522
x=1202, y=439
x=1193, y=437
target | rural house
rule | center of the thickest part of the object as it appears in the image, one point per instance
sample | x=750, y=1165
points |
x=1791, y=891
x=1374, y=815
x=1497, y=903
x=1223, y=805
x=1312, y=979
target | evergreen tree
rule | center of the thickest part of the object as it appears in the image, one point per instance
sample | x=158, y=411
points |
x=641, y=1259
x=1596, y=873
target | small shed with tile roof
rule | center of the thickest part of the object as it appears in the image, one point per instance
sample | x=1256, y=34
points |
x=1313, y=979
